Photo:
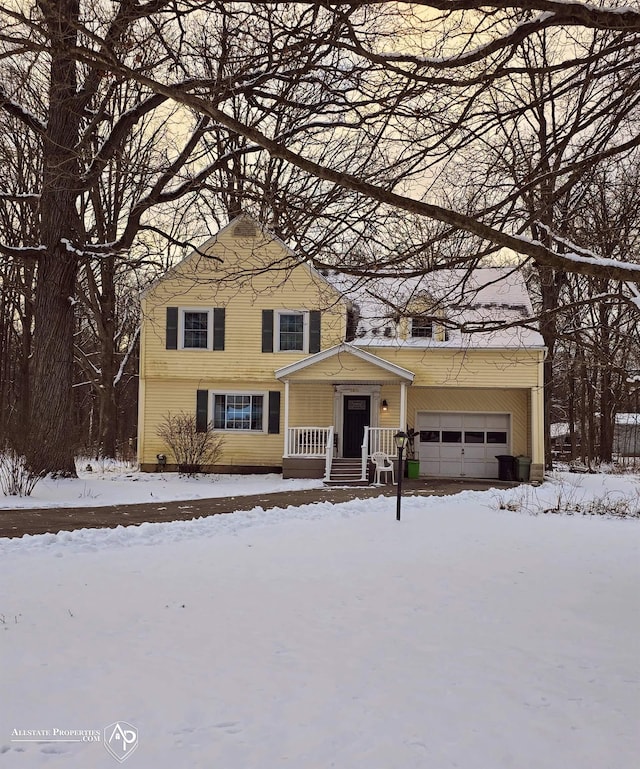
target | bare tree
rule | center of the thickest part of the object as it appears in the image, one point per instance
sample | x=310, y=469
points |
x=417, y=108
x=386, y=97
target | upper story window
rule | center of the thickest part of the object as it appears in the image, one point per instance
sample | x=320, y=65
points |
x=426, y=328
x=195, y=328
x=421, y=327
x=292, y=331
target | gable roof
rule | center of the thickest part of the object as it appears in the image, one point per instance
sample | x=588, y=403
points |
x=485, y=307
x=345, y=347
x=242, y=226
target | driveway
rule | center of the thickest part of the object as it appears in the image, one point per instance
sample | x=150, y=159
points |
x=16, y=523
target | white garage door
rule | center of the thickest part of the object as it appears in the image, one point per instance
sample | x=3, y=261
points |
x=461, y=445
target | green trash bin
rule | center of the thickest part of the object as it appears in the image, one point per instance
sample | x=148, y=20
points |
x=413, y=468
x=523, y=468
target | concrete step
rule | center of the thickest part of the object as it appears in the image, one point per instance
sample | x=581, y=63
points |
x=346, y=472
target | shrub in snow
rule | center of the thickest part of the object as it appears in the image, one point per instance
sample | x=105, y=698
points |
x=16, y=479
x=191, y=448
x=562, y=494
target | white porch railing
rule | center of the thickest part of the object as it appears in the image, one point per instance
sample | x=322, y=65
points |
x=309, y=441
x=381, y=439
x=319, y=442
x=377, y=439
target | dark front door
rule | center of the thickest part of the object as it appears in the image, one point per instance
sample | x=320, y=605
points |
x=357, y=413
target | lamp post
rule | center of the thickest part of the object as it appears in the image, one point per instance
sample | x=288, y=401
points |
x=400, y=439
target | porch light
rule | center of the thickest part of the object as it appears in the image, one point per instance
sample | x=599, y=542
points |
x=385, y=406
x=400, y=439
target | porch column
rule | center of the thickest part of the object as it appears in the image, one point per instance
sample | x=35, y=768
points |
x=403, y=406
x=537, y=426
x=286, y=418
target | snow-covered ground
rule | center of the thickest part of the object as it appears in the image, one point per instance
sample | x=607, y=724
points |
x=467, y=635
x=103, y=483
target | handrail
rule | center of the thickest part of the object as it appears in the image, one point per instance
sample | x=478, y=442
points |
x=365, y=454
x=329, y=455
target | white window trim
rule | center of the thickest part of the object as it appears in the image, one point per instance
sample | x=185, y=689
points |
x=437, y=330
x=265, y=411
x=305, y=330
x=181, y=314
x=423, y=336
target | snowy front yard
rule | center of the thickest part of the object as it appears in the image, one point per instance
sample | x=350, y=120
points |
x=329, y=635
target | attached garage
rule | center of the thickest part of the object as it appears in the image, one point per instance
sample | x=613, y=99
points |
x=461, y=444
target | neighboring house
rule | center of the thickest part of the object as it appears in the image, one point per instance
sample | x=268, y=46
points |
x=302, y=371
x=626, y=435
x=560, y=434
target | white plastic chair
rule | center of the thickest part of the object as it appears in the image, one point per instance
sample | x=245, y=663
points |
x=383, y=465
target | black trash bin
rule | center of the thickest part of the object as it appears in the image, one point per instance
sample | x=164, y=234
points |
x=506, y=467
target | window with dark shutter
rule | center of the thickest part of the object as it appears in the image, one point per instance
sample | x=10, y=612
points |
x=267, y=331
x=218, y=328
x=202, y=411
x=314, y=331
x=274, y=412
x=171, y=337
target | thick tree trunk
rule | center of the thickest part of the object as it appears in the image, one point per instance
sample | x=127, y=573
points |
x=550, y=282
x=107, y=391
x=51, y=442
x=108, y=406
x=50, y=445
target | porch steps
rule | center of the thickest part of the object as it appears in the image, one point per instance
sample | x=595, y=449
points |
x=346, y=472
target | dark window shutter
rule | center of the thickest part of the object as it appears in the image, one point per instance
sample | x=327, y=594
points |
x=202, y=407
x=267, y=331
x=172, y=328
x=218, y=328
x=274, y=412
x=314, y=331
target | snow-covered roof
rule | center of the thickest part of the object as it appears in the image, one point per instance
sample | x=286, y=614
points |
x=559, y=429
x=482, y=308
x=628, y=419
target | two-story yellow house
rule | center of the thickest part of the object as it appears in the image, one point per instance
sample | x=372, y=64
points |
x=305, y=373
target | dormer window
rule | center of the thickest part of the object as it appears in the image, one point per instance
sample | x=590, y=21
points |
x=421, y=327
x=425, y=328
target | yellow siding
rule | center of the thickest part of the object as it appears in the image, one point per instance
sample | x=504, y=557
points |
x=169, y=379
x=240, y=448
x=446, y=379
x=514, y=402
x=391, y=417
x=467, y=368
x=310, y=405
x=203, y=283
x=343, y=367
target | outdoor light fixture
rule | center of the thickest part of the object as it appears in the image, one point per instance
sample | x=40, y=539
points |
x=400, y=439
x=385, y=406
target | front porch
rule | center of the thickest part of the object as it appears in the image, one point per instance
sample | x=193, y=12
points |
x=312, y=452
x=359, y=401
